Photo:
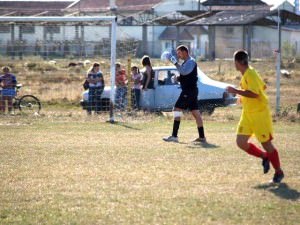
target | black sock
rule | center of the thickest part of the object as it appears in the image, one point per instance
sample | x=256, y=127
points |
x=175, y=128
x=201, y=132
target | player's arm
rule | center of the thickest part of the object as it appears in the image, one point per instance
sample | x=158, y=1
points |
x=186, y=68
x=245, y=93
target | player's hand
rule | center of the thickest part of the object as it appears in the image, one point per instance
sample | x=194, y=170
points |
x=173, y=60
x=230, y=89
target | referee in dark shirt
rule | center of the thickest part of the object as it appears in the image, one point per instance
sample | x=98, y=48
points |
x=188, y=98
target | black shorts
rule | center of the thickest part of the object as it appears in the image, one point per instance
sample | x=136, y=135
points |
x=188, y=100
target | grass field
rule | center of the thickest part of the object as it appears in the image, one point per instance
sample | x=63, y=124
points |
x=66, y=168
x=63, y=167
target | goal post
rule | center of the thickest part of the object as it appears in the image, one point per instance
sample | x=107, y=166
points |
x=82, y=20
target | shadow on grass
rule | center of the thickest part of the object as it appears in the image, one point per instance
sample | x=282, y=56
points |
x=123, y=125
x=281, y=190
x=203, y=145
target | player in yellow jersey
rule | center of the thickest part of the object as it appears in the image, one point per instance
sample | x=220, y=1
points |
x=256, y=116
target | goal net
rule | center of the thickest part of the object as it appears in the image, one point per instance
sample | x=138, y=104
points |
x=51, y=57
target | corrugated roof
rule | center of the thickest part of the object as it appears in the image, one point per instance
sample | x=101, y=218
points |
x=233, y=2
x=232, y=18
x=45, y=5
x=33, y=7
x=170, y=33
x=122, y=5
x=170, y=18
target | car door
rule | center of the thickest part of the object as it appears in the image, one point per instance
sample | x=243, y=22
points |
x=167, y=89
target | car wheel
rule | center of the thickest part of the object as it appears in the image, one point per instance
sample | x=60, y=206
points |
x=207, y=108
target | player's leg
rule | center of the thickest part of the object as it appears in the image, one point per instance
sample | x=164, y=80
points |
x=180, y=105
x=263, y=130
x=177, y=113
x=273, y=157
x=243, y=143
x=194, y=107
x=197, y=115
x=244, y=132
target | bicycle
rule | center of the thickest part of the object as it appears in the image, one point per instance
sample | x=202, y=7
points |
x=26, y=103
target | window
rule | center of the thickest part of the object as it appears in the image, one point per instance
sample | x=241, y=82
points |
x=28, y=29
x=53, y=29
x=229, y=30
x=4, y=28
x=167, y=77
x=167, y=45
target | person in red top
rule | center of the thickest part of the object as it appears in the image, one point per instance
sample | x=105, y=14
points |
x=121, y=87
x=8, y=83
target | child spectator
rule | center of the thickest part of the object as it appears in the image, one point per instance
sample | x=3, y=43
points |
x=8, y=83
x=121, y=84
x=137, y=86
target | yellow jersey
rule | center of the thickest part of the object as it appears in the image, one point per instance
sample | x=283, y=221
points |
x=252, y=81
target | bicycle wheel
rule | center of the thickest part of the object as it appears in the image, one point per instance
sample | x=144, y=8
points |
x=29, y=104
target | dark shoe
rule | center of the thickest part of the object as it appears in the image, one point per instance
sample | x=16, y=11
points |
x=199, y=140
x=278, y=176
x=266, y=165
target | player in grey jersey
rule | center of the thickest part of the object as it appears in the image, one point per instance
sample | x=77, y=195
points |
x=188, y=98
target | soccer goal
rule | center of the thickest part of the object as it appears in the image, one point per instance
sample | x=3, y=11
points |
x=58, y=52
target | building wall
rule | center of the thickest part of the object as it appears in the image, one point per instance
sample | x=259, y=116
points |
x=168, y=6
x=263, y=43
x=228, y=39
x=265, y=40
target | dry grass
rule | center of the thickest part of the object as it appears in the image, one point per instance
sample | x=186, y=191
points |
x=66, y=168
x=58, y=83
x=63, y=167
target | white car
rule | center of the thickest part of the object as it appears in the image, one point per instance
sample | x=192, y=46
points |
x=166, y=91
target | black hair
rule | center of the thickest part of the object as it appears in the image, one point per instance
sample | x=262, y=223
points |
x=135, y=68
x=183, y=48
x=146, y=61
x=96, y=64
x=242, y=57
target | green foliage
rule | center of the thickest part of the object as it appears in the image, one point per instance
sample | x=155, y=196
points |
x=288, y=49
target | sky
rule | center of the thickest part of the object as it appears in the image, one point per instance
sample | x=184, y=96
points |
x=276, y=2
